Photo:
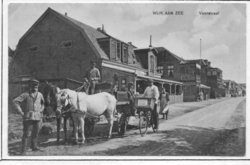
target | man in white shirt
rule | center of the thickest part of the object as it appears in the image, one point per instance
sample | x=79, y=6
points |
x=153, y=92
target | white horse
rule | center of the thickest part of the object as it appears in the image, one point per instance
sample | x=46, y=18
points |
x=81, y=104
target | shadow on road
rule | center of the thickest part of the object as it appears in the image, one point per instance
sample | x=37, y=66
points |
x=193, y=141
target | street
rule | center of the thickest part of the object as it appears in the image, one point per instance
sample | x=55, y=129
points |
x=218, y=128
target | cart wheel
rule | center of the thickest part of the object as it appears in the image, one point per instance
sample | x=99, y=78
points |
x=122, y=124
x=143, y=123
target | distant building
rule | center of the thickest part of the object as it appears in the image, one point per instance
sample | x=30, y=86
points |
x=154, y=59
x=173, y=67
x=215, y=81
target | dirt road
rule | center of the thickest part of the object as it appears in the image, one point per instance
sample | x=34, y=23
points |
x=218, y=129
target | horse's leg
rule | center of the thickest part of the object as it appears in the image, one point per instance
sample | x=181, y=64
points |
x=65, y=120
x=73, y=125
x=81, y=122
x=58, y=122
x=109, y=117
x=75, y=130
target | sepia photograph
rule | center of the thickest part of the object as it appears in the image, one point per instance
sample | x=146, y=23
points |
x=148, y=80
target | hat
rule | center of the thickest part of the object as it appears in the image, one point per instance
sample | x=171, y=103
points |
x=150, y=80
x=33, y=82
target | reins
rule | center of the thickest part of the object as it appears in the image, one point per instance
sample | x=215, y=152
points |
x=78, y=107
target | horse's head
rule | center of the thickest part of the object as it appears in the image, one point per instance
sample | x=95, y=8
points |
x=62, y=100
x=49, y=94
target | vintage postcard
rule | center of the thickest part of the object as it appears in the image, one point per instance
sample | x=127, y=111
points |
x=145, y=80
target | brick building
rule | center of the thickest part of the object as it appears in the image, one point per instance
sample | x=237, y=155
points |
x=57, y=46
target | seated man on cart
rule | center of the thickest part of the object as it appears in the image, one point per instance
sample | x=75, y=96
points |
x=152, y=91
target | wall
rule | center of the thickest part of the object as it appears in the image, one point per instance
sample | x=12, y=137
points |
x=190, y=93
x=43, y=54
x=166, y=60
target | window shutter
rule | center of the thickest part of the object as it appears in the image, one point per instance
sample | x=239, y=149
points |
x=113, y=49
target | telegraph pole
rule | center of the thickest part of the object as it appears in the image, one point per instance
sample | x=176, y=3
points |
x=200, y=64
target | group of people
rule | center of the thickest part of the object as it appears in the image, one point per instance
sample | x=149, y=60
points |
x=30, y=105
x=151, y=91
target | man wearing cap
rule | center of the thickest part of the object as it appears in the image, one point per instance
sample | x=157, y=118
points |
x=93, y=76
x=30, y=106
x=152, y=91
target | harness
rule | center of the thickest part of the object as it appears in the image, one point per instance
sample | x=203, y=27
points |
x=69, y=108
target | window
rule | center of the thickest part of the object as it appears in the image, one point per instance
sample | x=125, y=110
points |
x=123, y=84
x=124, y=53
x=209, y=73
x=160, y=69
x=170, y=71
x=33, y=48
x=66, y=44
x=214, y=72
x=118, y=50
x=113, y=49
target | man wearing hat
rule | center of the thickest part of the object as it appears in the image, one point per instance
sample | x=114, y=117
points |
x=93, y=76
x=30, y=106
x=152, y=91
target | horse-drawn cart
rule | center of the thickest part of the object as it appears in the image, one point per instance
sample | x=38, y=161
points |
x=120, y=118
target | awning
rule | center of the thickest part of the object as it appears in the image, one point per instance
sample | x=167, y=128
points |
x=204, y=86
x=160, y=80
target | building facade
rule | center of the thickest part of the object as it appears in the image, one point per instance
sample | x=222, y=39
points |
x=57, y=46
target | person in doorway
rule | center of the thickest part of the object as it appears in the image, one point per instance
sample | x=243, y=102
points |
x=93, y=76
x=30, y=105
x=164, y=102
x=152, y=91
x=131, y=98
x=201, y=95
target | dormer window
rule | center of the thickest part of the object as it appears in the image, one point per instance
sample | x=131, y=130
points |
x=66, y=44
x=160, y=69
x=33, y=48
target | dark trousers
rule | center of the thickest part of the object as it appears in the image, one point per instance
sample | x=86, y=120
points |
x=156, y=116
x=30, y=127
x=92, y=87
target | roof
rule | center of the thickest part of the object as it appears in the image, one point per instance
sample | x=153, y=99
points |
x=92, y=33
x=162, y=49
x=204, y=62
x=204, y=86
x=159, y=50
x=160, y=79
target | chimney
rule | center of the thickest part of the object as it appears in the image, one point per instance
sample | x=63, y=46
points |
x=150, y=41
x=103, y=28
x=66, y=14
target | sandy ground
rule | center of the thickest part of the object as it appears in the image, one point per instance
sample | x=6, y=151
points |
x=209, y=128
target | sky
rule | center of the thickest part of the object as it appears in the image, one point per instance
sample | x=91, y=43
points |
x=223, y=36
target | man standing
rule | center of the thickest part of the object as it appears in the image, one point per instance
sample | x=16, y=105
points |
x=153, y=92
x=93, y=76
x=30, y=106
